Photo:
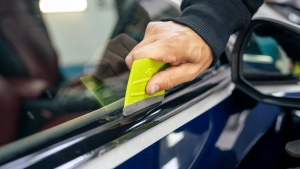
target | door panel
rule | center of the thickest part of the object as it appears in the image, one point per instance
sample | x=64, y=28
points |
x=222, y=136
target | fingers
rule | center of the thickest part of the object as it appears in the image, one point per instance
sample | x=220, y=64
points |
x=143, y=43
x=171, y=77
x=157, y=28
x=168, y=42
x=154, y=31
x=157, y=51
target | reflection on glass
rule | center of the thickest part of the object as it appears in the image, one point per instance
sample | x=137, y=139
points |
x=264, y=55
x=47, y=46
x=271, y=57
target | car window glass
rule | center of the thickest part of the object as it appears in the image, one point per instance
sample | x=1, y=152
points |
x=57, y=55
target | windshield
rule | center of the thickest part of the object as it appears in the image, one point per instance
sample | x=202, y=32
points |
x=62, y=59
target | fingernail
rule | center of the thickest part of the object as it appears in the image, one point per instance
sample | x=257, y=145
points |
x=154, y=89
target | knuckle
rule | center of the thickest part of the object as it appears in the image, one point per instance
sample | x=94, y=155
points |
x=170, y=58
x=154, y=27
x=151, y=24
x=171, y=81
x=167, y=81
x=128, y=60
x=174, y=40
x=192, y=73
x=177, y=37
x=157, y=28
x=136, y=54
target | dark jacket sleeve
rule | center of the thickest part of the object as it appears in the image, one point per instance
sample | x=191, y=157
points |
x=216, y=20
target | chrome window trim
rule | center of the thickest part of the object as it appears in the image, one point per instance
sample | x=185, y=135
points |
x=220, y=77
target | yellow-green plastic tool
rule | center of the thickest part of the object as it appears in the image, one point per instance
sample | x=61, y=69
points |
x=136, y=97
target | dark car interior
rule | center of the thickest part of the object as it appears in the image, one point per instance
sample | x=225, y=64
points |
x=34, y=94
x=30, y=73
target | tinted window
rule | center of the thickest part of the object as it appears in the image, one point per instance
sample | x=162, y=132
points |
x=57, y=55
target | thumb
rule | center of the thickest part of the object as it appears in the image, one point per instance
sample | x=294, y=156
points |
x=171, y=77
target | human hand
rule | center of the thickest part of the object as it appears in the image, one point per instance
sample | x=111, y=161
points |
x=169, y=42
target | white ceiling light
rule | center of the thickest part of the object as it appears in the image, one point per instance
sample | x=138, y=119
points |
x=55, y=6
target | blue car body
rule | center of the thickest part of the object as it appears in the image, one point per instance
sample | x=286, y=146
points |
x=199, y=147
x=206, y=123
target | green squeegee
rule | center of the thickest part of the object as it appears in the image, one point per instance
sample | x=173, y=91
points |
x=136, y=97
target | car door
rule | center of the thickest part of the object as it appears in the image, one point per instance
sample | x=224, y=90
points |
x=48, y=109
x=204, y=123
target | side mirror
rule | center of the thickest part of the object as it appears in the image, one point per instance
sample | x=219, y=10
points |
x=266, y=62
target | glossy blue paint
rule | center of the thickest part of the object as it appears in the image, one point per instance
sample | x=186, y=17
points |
x=220, y=137
x=297, y=95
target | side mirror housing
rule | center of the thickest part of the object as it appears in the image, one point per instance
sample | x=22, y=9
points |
x=266, y=62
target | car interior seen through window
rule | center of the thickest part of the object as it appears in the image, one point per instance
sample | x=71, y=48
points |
x=59, y=62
